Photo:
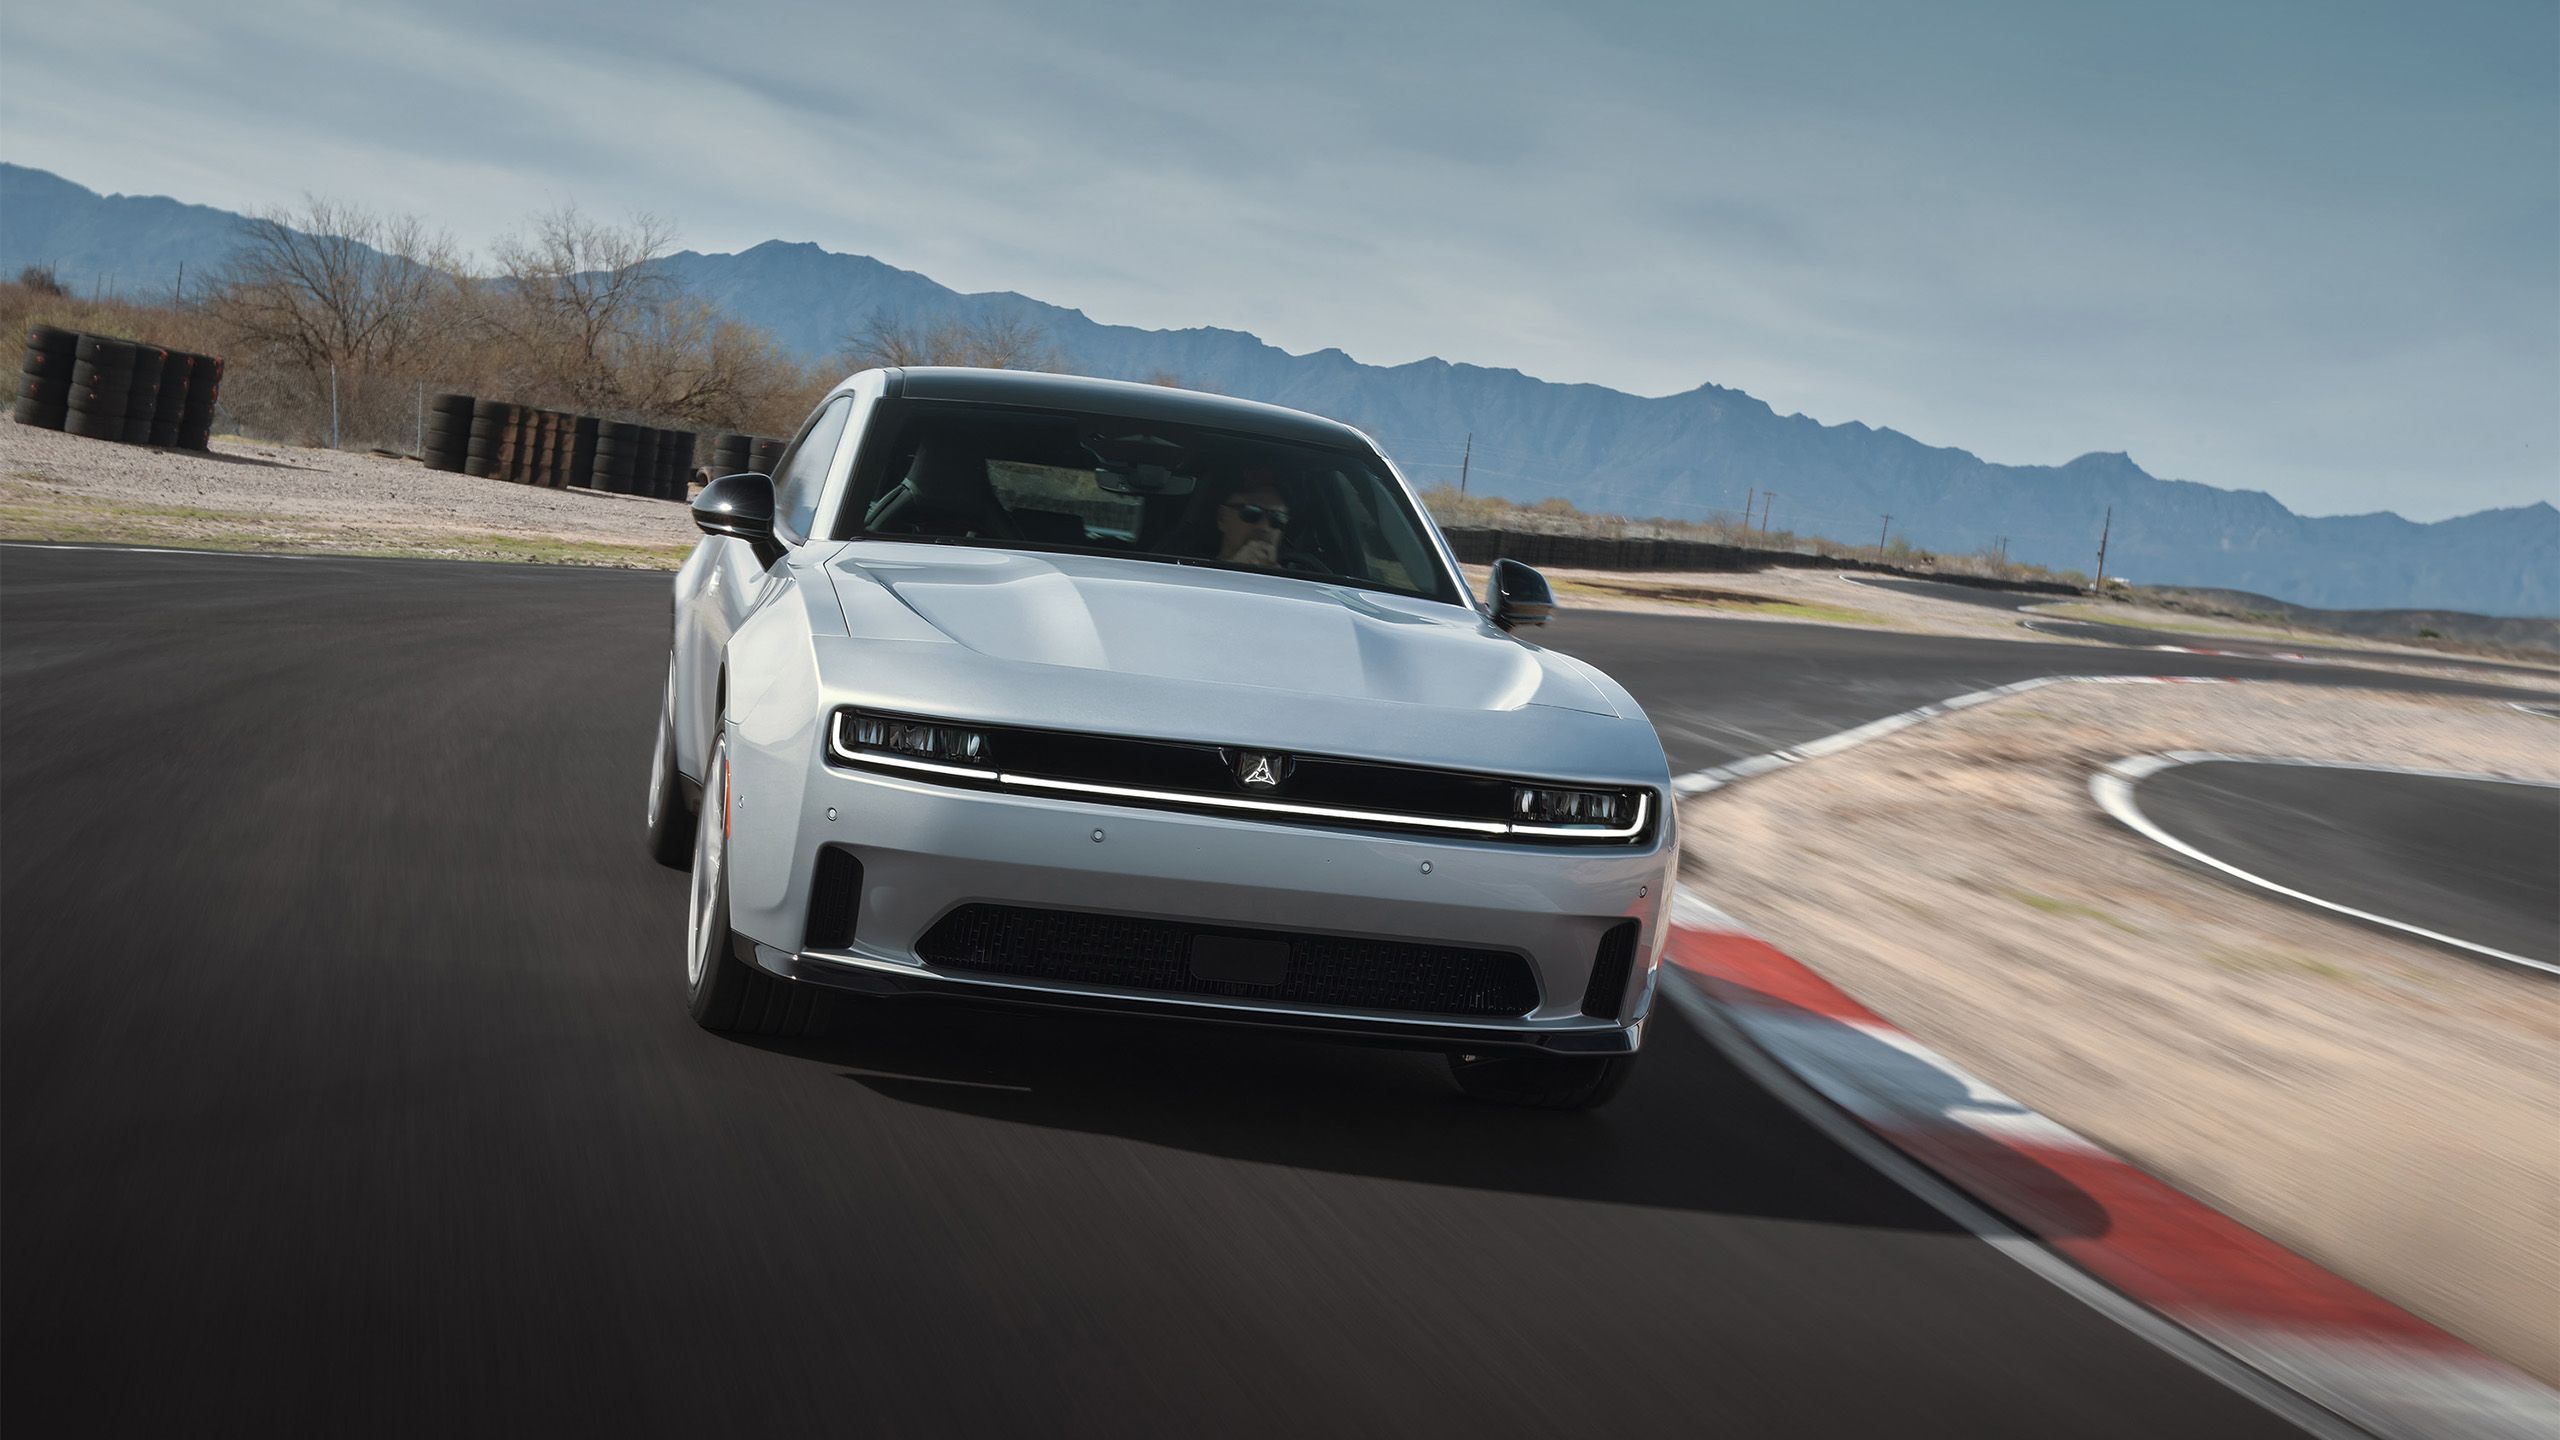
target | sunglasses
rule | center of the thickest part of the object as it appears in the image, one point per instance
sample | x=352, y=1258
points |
x=1277, y=519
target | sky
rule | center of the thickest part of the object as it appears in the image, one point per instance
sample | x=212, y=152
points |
x=2307, y=248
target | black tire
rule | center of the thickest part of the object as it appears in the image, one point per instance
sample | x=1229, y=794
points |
x=52, y=340
x=51, y=389
x=93, y=427
x=476, y=466
x=670, y=819
x=1538, y=1082
x=39, y=362
x=39, y=414
x=725, y=993
x=104, y=350
x=96, y=377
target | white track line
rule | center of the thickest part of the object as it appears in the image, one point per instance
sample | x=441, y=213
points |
x=2112, y=788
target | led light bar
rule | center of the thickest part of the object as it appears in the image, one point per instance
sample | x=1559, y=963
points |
x=963, y=753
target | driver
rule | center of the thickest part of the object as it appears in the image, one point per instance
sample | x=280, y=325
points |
x=1250, y=521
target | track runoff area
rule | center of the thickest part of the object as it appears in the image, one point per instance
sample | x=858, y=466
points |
x=345, y=1079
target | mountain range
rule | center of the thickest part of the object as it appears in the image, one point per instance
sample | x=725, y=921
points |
x=1682, y=456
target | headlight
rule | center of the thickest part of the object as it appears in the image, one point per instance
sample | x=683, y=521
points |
x=871, y=737
x=1596, y=809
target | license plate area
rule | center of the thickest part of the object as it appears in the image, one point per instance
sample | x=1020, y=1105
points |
x=1239, y=959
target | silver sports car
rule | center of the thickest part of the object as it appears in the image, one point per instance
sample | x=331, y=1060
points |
x=1049, y=691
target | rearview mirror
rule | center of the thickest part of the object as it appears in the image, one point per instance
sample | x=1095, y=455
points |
x=1520, y=595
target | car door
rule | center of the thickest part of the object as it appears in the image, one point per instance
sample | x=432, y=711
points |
x=726, y=580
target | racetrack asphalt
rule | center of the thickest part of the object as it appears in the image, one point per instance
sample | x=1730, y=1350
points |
x=2478, y=860
x=346, y=1084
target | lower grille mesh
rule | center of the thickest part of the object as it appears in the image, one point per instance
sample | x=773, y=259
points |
x=1324, y=970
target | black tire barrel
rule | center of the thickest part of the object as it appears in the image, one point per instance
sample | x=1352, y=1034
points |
x=204, y=391
x=448, y=437
x=169, y=415
x=582, y=451
x=99, y=380
x=615, y=450
x=764, y=456
x=142, y=394
x=481, y=455
x=644, y=464
x=730, y=454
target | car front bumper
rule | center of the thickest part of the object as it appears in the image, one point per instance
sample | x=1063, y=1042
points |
x=926, y=849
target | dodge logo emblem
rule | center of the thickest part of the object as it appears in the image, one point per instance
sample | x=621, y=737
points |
x=1256, y=770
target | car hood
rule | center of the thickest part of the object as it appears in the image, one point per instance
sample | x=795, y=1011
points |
x=1221, y=627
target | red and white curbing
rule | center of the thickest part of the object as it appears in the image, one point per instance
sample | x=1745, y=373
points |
x=2351, y=1353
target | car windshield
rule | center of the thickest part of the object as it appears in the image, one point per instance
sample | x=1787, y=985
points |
x=1143, y=489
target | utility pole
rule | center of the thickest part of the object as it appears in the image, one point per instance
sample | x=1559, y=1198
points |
x=1750, y=498
x=1767, y=498
x=2103, y=532
x=1463, y=461
x=333, y=407
x=181, y=297
x=1887, y=530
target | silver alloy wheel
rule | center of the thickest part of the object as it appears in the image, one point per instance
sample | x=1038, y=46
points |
x=710, y=854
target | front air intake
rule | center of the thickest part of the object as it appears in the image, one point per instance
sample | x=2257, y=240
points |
x=1615, y=960
x=835, y=899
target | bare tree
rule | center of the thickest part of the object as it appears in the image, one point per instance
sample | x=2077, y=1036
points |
x=988, y=342
x=336, y=285
x=576, y=294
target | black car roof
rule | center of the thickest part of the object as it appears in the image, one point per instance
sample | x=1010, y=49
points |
x=1118, y=397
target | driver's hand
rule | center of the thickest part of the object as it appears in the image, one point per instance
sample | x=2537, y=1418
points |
x=1260, y=550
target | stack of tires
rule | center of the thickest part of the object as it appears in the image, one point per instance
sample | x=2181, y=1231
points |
x=195, y=406
x=101, y=385
x=44, y=378
x=582, y=451
x=617, y=457
x=492, y=423
x=730, y=454
x=169, y=415
x=493, y=440
x=765, y=455
x=448, y=439
x=103, y=388
x=675, y=467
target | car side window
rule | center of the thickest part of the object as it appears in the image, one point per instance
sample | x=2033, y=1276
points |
x=804, y=470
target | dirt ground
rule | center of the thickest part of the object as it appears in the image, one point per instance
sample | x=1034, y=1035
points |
x=247, y=496
x=2386, y=1107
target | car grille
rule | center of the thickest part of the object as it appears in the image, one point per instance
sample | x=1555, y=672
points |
x=1330, y=971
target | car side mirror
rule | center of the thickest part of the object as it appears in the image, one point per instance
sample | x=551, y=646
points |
x=740, y=506
x=1520, y=596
